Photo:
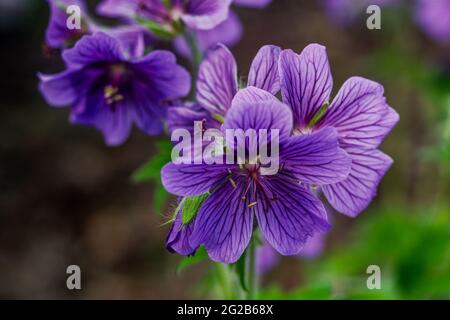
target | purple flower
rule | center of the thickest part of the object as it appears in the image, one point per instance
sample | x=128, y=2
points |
x=359, y=113
x=267, y=258
x=109, y=90
x=58, y=35
x=196, y=14
x=228, y=32
x=178, y=237
x=433, y=17
x=288, y=213
x=217, y=84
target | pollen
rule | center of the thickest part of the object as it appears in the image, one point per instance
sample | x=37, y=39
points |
x=112, y=95
x=232, y=183
x=251, y=205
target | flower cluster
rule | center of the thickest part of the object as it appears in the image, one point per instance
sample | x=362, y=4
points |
x=112, y=81
x=327, y=146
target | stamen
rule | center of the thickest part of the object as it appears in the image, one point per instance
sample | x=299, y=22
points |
x=251, y=205
x=112, y=95
x=232, y=182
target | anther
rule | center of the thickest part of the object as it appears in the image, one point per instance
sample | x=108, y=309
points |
x=251, y=205
x=232, y=182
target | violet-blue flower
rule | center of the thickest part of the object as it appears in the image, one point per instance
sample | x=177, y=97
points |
x=196, y=14
x=229, y=32
x=110, y=90
x=267, y=258
x=433, y=17
x=288, y=213
x=217, y=84
x=58, y=35
x=359, y=113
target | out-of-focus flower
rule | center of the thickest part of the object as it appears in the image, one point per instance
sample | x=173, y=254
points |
x=267, y=258
x=166, y=16
x=359, y=113
x=434, y=18
x=178, y=237
x=58, y=35
x=217, y=84
x=287, y=212
x=228, y=32
x=110, y=90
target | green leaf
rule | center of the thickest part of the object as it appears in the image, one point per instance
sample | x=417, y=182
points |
x=319, y=115
x=157, y=29
x=240, y=270
x=199, y=256
x=151, y=172
x=152, y=169
x=191, y=206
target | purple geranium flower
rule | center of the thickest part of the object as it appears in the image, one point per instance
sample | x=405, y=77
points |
x=217, y=84
x=433, y=17
x=359, y=113
x=288, y=213
x=110, y=90
x=57, y=34
x=196, y=14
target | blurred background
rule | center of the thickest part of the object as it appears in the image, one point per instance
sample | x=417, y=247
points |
x=66, y=198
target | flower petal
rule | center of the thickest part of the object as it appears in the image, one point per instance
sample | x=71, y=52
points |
x=62, y=89
x=354, y=194
x=183, y=117
x=306, y=82
x=57, y=33
x=206, y=14
x=192, y=179
x=217, y=80
x=360, y=113
x=114, y=121
x=254, y=108
x=224, y=224
x=118, y=8
x=264, y=69
x=178, y=237
x=228, y=32
x=291, y=219
x=259, y=4
x=166, y=80
x=316, y=158
x=92, y=49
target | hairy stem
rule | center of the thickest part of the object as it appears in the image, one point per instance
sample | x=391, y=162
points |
x=252, y=279
x=196, y=56
x=224, y=278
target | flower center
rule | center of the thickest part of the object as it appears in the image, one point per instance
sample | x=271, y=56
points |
x=112, y=95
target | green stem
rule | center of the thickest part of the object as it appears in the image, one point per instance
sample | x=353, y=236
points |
x=197, y=56
x=224, y=277
x=252, y=279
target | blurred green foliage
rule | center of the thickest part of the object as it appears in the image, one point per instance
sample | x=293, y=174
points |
x=412, y=248
x=151, y=172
